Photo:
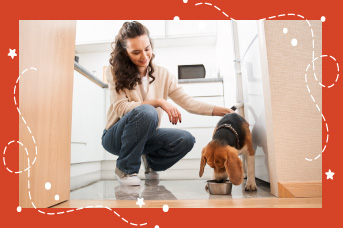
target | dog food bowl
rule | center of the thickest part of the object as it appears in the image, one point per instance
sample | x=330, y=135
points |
x=216, y=188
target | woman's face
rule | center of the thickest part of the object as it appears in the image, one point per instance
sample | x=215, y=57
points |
x=139, y=50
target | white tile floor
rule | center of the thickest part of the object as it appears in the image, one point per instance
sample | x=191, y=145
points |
x=163, y=190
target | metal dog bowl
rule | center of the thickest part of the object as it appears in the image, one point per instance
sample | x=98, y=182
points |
x=216, y=188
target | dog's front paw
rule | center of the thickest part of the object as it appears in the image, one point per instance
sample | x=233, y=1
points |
x=245, y=176
x=250, y=186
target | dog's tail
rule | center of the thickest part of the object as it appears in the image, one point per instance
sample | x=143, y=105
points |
x=237, y=106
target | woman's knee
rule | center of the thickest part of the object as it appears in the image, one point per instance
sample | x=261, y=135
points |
x=146, y=112
x=188, y=141
x=107, y=143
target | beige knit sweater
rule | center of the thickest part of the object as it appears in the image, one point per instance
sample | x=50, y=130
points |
x=164, y=86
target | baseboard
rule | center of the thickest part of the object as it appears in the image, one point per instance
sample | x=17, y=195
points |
x=186, y=169
x=84, y=179
x=300, y=189
x=178, y=174
x=78, y=169
x=182, y=164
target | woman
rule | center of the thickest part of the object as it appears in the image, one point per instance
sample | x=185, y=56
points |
x=139, y=91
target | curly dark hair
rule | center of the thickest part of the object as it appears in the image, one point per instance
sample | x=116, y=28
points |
x=124, y=71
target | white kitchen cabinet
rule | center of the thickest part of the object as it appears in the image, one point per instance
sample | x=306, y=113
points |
x=254, y=105
x=247, y=32
x=208, y=89
x=190, y=28
x=201, y=127
x=190, y=120
x=100, y=31
x=104, y=31
x=157, y=28
x=87, y=120
x=97, y=36
x=96, y=31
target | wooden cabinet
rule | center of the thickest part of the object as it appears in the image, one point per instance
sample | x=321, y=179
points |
x=45, y=100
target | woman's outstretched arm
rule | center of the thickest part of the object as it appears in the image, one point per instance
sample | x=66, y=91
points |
x=221, y=111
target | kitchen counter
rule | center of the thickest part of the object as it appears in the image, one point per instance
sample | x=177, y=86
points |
x=94, y=79
x=200, y=80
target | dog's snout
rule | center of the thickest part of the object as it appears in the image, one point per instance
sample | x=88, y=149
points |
x=221, y=180
x=220, y=175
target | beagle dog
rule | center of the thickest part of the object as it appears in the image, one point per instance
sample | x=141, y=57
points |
x=231, y=138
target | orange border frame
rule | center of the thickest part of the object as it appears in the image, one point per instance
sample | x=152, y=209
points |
x=13, y=11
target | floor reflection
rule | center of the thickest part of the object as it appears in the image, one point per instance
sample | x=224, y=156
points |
x=163, y=190
x=150, y=190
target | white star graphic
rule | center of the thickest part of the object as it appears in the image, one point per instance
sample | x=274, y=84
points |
x=140, y=202
x=329, y=175
x=12, y=53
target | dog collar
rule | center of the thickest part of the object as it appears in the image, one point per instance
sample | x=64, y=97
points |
x=228, y=126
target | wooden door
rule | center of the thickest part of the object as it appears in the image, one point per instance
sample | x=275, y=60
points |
x=46, y=68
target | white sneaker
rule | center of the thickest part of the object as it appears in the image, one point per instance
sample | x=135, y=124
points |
x=149, y=173
x=127, y=179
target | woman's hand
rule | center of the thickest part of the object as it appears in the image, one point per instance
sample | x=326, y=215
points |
x=171, y=110
x=221, y=111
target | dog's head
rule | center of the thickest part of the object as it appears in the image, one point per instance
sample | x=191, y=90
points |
x=224, y=160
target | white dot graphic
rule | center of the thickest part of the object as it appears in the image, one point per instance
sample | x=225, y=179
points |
x=294, y=42
x=322, y=18
x=165, y=208
x=19, y=208
x=176, y=18
x=57, y=197
x=47, y=186
x=157, y=226
x=285, y=30
x=185, y=1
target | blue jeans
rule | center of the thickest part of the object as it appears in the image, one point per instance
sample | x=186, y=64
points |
x=136, y=134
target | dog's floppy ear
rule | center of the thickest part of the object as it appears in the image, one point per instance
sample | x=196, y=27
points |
x=233, y=166
x=214, y=131
x=203, y=161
